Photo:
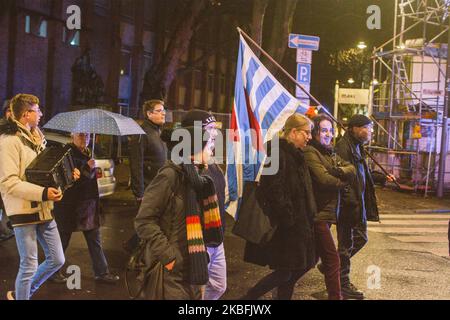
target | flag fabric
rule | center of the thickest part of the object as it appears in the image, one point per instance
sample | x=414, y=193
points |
x=261, y=108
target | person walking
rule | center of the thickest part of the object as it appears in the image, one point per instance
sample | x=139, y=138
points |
x=170, y=218
x=290, y=253
x=330, y=174
x=28, y=206
x=359, y=202
x=217, y=267
x=148, y=154
x=79, y=211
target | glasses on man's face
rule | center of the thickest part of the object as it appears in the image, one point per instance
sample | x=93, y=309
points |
x=38, y=111
x=308, y=132
x=159, y=111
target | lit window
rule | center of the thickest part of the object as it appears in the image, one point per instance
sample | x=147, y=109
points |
x=71, y=37
x=27, y=24
x=36, y=25
x=43, y=29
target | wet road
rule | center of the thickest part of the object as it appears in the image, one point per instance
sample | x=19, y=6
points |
x=413, y=263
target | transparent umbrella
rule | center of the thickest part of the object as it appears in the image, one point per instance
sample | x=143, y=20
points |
x=94, y=121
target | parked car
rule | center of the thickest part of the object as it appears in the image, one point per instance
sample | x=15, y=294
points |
x=103, y=165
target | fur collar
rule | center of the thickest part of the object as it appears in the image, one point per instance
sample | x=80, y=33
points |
x=292, y=150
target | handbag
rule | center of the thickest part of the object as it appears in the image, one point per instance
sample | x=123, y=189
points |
x=253, y=224
x=150, y=280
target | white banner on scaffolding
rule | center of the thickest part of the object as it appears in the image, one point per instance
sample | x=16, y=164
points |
x=354, y=96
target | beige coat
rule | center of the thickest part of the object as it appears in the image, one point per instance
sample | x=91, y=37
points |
x=22, y=200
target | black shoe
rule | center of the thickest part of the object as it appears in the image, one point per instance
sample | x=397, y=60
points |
x=107, y=278
x=351, y=292
x=58, y=277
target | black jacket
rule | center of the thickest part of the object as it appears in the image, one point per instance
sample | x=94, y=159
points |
x=328, y=180
x=79, y=208
x=148, y=153
x=292, y=207
x=352, y=201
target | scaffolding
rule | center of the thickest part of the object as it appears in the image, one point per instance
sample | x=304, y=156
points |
x=408, y=92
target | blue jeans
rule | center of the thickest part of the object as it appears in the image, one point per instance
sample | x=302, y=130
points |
x=217, y=269
x=31, y=276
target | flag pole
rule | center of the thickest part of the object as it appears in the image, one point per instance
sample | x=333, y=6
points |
x=246, y=36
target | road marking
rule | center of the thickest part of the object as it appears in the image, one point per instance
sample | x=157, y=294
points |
x=426, y=232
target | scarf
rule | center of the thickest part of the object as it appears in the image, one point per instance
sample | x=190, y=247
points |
x=203, y=225
x=34, y=137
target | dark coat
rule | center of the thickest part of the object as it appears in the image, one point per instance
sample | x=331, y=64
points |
x=352, y=212
x=161, y=221
x=148, y=154
x=328, y=181
x=292, y=206
x=79, y=208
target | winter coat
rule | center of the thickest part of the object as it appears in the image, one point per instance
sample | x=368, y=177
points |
x=352, y=210
x=25, y=203
x=148, y=153
x=161, y=221
x=292, y=207
x=79, y=208
x=328, y=181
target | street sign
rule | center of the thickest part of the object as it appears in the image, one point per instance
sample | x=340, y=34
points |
x=299, y=41
x=304, y=73
x=353, y=96
x=299, y=92
x=304, y=56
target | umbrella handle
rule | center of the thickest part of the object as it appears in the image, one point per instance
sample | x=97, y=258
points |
x=93, y=146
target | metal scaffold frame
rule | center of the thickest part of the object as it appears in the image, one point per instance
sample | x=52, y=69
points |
x=407, y=104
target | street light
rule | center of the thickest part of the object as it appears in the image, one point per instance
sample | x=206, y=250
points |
x=361, y=45
x=351, y=81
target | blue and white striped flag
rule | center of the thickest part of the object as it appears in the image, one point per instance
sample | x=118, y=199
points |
x=261, y=106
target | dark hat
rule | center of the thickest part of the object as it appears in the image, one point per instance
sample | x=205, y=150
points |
x=191, y=123
x=197, y=116
x=359, y=120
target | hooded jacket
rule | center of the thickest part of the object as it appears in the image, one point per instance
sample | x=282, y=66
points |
x=24, y=201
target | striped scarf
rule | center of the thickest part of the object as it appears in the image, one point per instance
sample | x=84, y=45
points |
x=203, y=225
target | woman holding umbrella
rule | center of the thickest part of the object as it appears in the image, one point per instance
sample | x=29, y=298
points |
x=79, y=210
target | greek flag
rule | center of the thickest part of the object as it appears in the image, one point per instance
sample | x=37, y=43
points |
x=261, y=107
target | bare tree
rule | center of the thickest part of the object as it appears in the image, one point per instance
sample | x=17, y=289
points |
x=257, y=22
x=279, y=30
x=159, y=78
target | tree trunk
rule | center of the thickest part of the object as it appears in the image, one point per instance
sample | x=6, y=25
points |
x=159, y=78
x=281, y=27
x=256, y=26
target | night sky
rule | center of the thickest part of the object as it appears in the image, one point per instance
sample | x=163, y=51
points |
x=340, y=24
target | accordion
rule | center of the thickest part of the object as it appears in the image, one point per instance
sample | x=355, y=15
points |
x=53, y=167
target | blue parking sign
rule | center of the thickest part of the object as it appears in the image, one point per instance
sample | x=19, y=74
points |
x=304, y=73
